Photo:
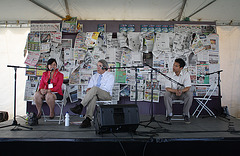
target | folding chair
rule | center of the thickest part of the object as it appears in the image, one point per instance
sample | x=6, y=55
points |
x=103, y=102
x=60, y=104
x=60, y=119
x=202, y=102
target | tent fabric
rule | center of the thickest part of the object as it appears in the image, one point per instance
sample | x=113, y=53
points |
x=219, y=10
x=12, y=44
x=229, y=47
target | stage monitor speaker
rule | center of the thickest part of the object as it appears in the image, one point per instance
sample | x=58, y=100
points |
x=116, y=118
x=3, y=116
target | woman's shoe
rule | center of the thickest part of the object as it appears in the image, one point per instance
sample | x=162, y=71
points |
x=52, y=117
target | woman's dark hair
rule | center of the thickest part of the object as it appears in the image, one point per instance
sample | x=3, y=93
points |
x=50, y=61
x=181, y=62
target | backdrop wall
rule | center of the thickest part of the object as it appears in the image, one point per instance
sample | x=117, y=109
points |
x=11, y=52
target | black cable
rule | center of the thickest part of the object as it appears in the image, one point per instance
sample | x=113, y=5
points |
x=120, y=144
x=231, y=128
x=146, y=134
x=222, y=118
x=179, y=131
x=145, y=146
x=21, y=117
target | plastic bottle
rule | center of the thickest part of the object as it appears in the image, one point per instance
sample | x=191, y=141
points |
x=27, y=117
x=67, y=120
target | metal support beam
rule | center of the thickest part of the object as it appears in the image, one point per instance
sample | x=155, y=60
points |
x=201, y=8
x=182, y=8
x=45, y=8
x=67, y=8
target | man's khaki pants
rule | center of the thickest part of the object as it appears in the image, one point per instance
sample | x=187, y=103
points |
x=91, y=97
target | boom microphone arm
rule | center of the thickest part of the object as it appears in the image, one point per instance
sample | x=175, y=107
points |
x=167, y=77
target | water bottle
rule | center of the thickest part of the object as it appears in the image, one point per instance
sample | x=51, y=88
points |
x=67, y=120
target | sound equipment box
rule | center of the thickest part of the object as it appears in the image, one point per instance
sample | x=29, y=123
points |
x=116, y=118
x=3, y=116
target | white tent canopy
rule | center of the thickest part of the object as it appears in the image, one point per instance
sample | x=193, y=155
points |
x=221, y=11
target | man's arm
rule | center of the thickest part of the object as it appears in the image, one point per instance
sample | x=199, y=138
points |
x=171, y=90
x=185, y=89
x=178, y=92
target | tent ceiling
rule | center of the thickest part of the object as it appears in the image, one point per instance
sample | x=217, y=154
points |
x=221, y=11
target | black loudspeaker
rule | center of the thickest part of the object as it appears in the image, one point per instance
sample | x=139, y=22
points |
x=116, y=118
x=3, y=116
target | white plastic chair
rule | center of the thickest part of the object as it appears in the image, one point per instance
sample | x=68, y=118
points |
x=202, y=102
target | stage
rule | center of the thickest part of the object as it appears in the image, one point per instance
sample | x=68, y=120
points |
x=205, y=135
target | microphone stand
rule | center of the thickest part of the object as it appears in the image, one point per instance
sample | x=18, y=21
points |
x=152, y=118
x=15, y=123
x=219, y=89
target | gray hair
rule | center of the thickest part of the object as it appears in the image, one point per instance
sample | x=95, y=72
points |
x=104, y=63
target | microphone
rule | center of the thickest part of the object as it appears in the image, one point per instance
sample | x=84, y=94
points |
x=214, y=72
x=13, y=66
x=50, y=69
x=104, y=68
x=112, y=67
x=49, y=80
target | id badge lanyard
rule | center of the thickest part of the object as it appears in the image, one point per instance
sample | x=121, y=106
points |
x=50, y=85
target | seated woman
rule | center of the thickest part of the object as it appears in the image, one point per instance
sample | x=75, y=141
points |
x=50, y=88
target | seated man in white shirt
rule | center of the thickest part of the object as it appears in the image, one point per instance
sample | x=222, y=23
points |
x=174, y=91
x=99, y=88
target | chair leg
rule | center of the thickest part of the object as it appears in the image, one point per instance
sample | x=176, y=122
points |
x=196, y=108
x=208, y=109
x=61, y=117
x=203, y=106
